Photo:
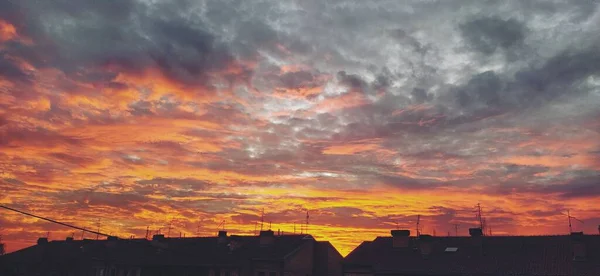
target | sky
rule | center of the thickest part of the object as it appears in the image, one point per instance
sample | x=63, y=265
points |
x=123, y=115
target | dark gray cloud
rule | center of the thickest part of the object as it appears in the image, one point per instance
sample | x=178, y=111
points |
x=299, y=79
x=486, y=35
x=484, y=89
x=584, y=187
x=11, y=71
x=128, y=34
x=559, y=75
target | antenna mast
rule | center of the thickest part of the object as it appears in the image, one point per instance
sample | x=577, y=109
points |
x=198, y=229
x=2, y=249
x=479, y=216
x=98, y=225
x=456, y=229
x=481, y=220
x=418, y=222
x=570, y=217
x=262, y=219
x=570, y=226
x=169, y=229
x=221, y=225
x=306, y=228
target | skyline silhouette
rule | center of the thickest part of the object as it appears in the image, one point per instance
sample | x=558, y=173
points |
x=124, y=117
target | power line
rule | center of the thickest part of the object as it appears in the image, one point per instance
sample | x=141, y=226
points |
x=54, y=221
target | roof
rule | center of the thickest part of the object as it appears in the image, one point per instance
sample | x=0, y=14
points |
x=135, y=251
x=235, y=248
x=325, y=255
x=168, y=251
x=497, y=255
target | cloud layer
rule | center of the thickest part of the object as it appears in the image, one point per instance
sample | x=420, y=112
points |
x=129, y=114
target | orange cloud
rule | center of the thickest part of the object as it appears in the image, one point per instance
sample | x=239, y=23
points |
x=350, y=149
x=7, y=31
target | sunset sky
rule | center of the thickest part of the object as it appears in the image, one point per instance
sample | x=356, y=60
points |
x=132, y=114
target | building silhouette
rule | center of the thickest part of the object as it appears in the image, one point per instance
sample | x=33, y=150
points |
x=403, y=255
x=270, y=254
x=224, y=255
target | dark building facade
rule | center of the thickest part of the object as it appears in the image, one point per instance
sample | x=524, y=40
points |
x=477, y=255
x=264, y=255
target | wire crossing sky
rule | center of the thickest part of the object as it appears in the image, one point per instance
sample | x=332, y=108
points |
x=136, y=114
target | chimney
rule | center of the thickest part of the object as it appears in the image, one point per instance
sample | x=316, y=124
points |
x=222, y=237
x=400, y=238
x=41, y=241
x=578, y=245
x=475, y=232
x=111, y=241
x=158, y=240
x=266, y=237
x=477, y=239
x=425, y=245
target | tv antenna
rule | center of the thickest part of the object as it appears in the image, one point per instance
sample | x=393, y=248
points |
x=221, y=225
x=98, y=226
x=262, y=219
x=456, y=225
x=198, y=229
x=571, y=217
x=2, y=249
x=418, y=223
x=480, y=218
x=169, y=228
x=306, y=228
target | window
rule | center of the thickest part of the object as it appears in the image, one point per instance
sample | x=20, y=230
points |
x=99, y=271
x=226, y=272
x=266, y=273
